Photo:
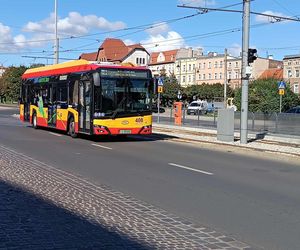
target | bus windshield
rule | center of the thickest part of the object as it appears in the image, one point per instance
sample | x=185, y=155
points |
x=117, y=97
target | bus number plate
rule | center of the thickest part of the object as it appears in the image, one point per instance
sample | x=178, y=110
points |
x=125, y=131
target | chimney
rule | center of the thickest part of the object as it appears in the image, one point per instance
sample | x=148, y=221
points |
x=190, y=52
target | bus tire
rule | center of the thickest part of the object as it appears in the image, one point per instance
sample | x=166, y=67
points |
x=71, y=128
x=34, y=121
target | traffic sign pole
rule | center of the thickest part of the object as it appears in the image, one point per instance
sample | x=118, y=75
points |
x=158, y=105
x=280, y=103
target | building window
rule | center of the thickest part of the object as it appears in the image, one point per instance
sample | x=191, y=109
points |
x=216, y=76
x=209, y=65
x=189, y=78
x=203, y=77
x=200, y=76
x=236, y=75
x=289, y=73
x=190, y=67
x=183, y=78
x=137, y=61
x=297, y=73
x=221, y=64
x=144, y=60
x=296, y=88
x=221, y=76
x=203, y=65
x=236, y=64
x=183, y=68
x=200, y=65
x=229, y=64
x=229, y=75
x=216, y=64
x=209, y=76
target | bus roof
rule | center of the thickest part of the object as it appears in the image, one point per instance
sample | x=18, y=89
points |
x=72, y=67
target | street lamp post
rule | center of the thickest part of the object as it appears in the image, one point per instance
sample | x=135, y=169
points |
x=56, y=36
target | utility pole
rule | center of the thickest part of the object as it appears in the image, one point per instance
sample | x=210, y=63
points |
x=225, y=79
x=245, y=74
x=56, y=45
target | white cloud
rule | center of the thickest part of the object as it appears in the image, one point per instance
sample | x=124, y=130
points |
x=235, y=50
x=129, y=42
x=265, y=19
x=7, y=41
x=74, y=24
x=158, y=28
x=172, y=40
x=197, y=2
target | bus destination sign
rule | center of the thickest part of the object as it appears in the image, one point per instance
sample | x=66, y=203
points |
x=124, y=73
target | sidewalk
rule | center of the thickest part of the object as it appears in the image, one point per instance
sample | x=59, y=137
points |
x=266, y=143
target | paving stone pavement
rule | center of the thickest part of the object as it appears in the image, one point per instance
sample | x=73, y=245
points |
x=42, y=207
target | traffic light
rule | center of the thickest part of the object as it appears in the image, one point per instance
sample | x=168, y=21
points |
x=252, y=55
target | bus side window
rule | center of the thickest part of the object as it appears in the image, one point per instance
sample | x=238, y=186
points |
x=62, y=95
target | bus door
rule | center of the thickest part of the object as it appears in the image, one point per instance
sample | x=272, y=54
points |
x=27, y=99
x=52, y=107
x=25, y=102
x=84, y=107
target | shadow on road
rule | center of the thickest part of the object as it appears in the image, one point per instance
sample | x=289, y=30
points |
x=27, y=222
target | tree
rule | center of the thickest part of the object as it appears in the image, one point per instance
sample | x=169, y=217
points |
x=3, y=90
x=208, y=92
x=10, y=83
x=264, y=97
x=171, y=87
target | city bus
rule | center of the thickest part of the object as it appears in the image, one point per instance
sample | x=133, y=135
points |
x=80, y=97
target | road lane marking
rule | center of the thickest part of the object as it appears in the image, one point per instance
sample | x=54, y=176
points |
x=100, y=146
x=191, y=169
x=55, y=134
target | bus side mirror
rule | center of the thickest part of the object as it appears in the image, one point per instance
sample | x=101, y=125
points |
x=152, y=87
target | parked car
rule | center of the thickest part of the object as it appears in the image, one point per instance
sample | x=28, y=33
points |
x=155, y=109
x=294, y=110
x=197, y=107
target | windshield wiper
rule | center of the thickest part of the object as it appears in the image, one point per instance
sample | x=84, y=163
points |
x=113, y=116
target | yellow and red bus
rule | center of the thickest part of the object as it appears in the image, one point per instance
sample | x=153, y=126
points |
x=89, y=98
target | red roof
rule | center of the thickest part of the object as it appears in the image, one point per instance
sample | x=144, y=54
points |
x=170, y=57
x=272, y=73
x=115, y=50
x=89, y=56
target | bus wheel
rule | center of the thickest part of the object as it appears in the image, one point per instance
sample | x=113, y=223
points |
x=72, y=132
x=34, y=121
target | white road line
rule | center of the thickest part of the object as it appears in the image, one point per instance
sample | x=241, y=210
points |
x=55, y=134
x=100, y=146
x=191, y=169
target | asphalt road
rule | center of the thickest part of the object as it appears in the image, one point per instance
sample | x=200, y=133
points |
x=255, y=200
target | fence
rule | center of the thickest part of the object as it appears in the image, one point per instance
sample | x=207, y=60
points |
x=275, y=123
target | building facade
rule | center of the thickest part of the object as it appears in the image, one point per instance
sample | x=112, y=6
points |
x=210, y=69
x=291, y=72
x=163, y=62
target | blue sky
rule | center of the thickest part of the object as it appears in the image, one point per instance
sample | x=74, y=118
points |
x=26, y=27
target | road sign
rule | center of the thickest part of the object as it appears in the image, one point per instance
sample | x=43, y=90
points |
x=281, y=91
x=160, y=81
x=281, y=85
x=160, y=89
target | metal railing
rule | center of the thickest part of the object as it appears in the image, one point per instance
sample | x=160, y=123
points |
x=274, y=123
